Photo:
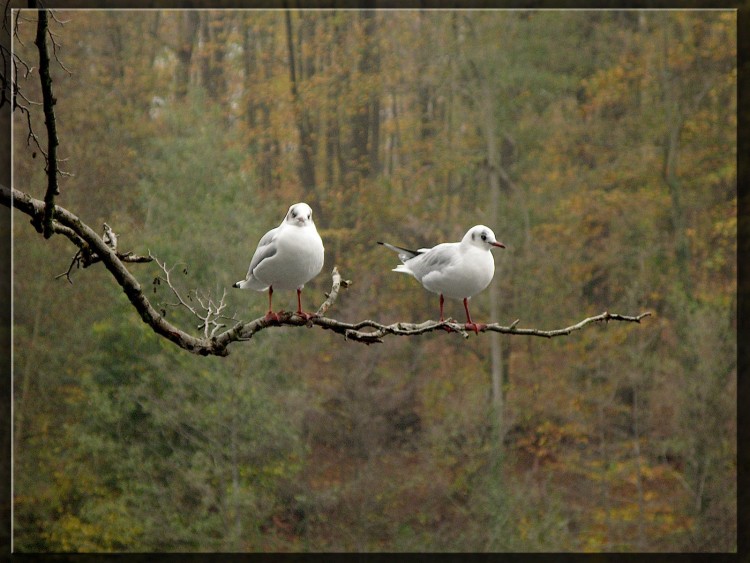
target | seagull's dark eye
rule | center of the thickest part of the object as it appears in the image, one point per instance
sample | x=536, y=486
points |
x=309, y=215
x=294, y=214
x=484, y=236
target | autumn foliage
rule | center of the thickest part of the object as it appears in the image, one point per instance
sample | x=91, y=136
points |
x=599, y=146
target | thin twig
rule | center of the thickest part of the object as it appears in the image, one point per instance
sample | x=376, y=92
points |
x=604, y=317
x=54, y=17
x=211, y=311
x=168, y=280
x=55, y=44
x=75, y=262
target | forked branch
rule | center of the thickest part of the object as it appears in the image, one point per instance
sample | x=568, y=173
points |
x=201, y=305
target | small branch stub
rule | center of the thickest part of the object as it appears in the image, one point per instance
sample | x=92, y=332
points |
x=85, y=257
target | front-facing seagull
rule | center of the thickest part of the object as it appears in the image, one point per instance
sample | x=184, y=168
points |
x=458, y=270
x=287, y=257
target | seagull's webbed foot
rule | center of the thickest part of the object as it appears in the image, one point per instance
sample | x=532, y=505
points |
x=307, y=316
x=475, y=327
x=446, y=327
x=272, y=317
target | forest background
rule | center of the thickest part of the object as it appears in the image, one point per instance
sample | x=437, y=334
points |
x=600, y=146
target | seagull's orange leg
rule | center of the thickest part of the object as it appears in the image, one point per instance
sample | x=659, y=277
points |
x=271, y=316
x=470, y=325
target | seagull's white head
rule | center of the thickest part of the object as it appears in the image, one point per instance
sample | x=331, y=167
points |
x=481, y=236
x=299, y=215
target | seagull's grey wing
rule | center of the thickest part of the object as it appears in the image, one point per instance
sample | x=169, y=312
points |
x=433, y=260
x=266, y=249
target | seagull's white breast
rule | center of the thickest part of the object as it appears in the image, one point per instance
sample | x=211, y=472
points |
x=298, y=258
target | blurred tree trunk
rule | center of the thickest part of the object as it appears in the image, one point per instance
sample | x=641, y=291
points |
x=189, y=24
x=27, y=374
x=391, y=160
x=258, y=69
x=153, y=48
x=306, y=166
x=334, y=165
x=366, y=124
x=682, y=95
x=425, y=100
x=451, y=189
x=212, y=27
x=117, y=58
x=333, y=160
x=251, y=75
x=674, y=122
x=494, y=164
x=641, y=537
x=236, y=507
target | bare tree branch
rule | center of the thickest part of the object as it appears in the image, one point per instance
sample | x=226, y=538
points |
x=355, y=332
x=216, y=343
x=48, y=101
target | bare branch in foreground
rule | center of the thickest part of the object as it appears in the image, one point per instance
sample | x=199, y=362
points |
x=216, y=343
x=49, y=119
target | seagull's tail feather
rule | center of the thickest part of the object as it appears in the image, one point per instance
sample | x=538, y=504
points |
x=403, y=253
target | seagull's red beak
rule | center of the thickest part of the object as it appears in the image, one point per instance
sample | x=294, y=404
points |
x=497, y=243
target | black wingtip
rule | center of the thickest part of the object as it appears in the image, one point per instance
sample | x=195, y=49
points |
x=236, y=284
x=381, y=243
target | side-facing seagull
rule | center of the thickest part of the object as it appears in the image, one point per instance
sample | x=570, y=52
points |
x=287, y=257
x=458, y=270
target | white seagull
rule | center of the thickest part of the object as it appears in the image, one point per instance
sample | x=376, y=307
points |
x=458, y=270
x=287, y=257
